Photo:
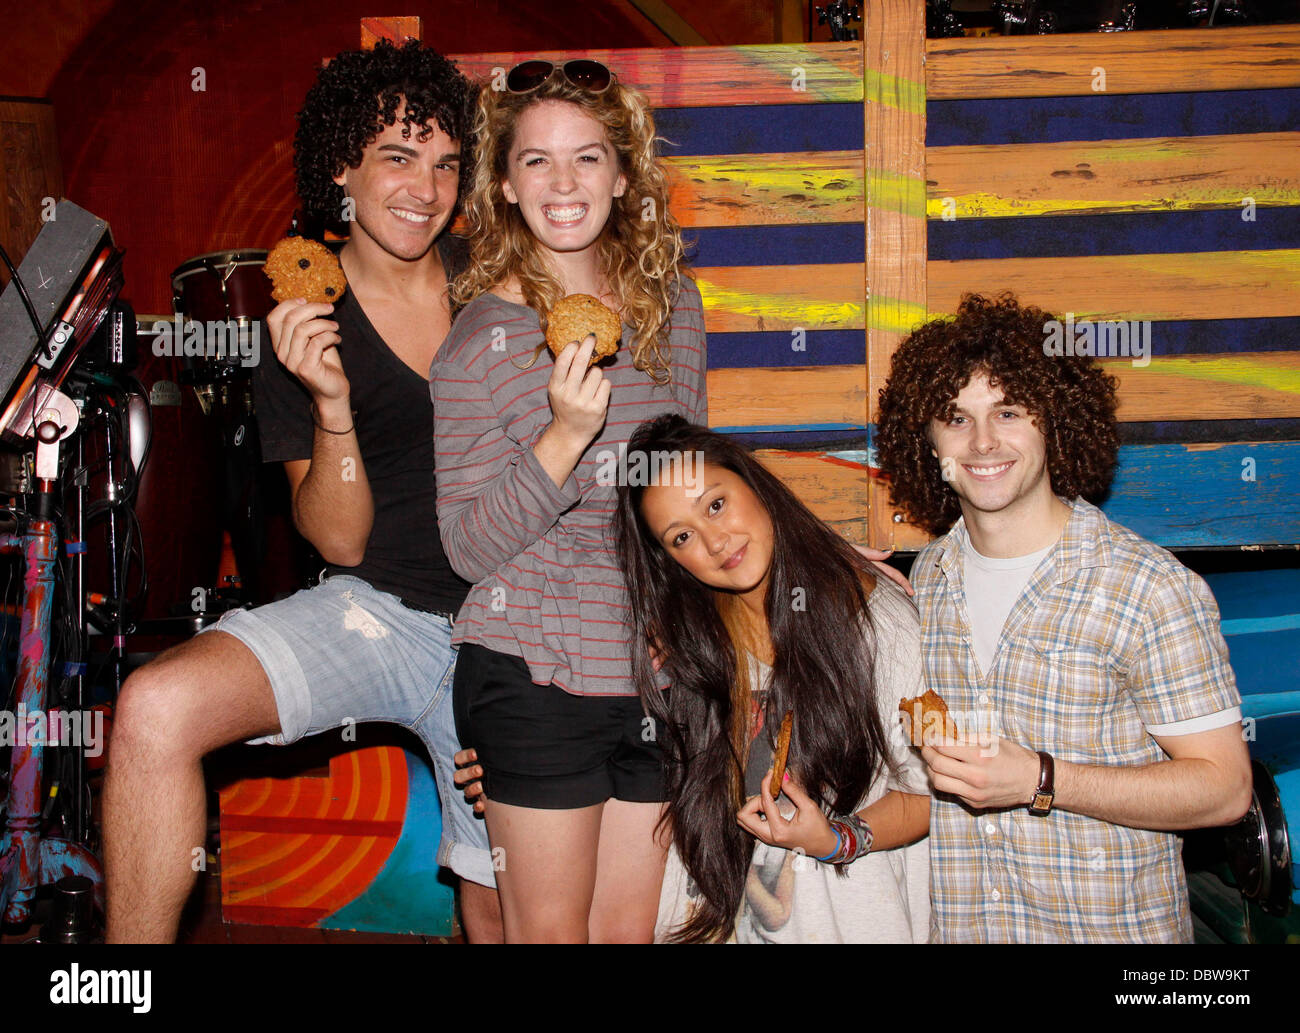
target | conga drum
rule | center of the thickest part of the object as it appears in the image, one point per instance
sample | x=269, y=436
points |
x=224, y=286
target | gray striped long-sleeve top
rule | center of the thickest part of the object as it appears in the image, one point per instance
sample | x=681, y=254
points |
x=547, y=583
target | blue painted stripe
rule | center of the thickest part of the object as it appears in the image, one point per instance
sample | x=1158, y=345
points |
x=1120, y=233
x=1255, y=593
x=827, y=441
x=1260, y=625
x=1181, y=498
x=1270, y=704
x=808, y=244
x=1188, y=431
x=761, y=129
x=1110, y=117
x=776, y=348
x=788, y=428
x=1195, y=499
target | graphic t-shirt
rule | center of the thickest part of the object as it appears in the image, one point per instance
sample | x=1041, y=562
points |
x=883, y=897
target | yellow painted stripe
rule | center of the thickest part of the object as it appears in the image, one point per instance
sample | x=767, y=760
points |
x=1269, y=371
x=893, y=315
x=1262, y=385
x=896, y=192
x=814, y=297
x=891, y=91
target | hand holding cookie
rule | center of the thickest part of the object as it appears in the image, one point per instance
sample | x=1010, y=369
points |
x=307, y=279
x=579, y=395
x=305, y=340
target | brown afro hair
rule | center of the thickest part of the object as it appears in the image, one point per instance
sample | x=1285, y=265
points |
x=1071, y=399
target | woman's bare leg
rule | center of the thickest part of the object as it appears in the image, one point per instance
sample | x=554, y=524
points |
x=549, y=873
x=629, y=874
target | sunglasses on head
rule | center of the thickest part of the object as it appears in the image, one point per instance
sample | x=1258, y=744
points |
x=587, y=75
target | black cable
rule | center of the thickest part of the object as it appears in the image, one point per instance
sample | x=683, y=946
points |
x=27, y=300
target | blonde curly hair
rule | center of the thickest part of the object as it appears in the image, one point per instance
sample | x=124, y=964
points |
x=641, y=254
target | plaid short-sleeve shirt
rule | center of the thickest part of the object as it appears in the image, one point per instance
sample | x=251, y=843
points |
x=1111, y=635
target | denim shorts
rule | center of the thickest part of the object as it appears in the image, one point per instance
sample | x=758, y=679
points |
x=345, y=651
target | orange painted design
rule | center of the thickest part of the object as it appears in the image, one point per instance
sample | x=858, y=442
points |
x=294, y=851
x=395, y=30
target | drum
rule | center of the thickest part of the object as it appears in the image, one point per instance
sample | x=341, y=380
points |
x=227, y=287
x=1261, y=847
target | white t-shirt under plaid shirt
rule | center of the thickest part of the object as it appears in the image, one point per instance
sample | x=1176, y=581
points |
x=1110, y=637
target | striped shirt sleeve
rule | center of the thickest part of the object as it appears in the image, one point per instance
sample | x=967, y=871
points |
x=494, y=498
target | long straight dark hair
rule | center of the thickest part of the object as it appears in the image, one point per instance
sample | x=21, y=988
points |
x=823, y=669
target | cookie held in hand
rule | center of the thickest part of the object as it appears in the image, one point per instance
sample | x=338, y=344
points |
x=781, y=754
x=930, y=719
x=302, y=268
x=578, y=315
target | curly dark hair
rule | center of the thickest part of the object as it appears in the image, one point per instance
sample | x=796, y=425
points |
x=1071, y=399
x=355, y=96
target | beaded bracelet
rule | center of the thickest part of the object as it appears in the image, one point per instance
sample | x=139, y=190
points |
x=853, y=839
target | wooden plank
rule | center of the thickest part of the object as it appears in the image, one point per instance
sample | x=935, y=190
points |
x=1165, y=174
x=787, y=396
x=1182, y=496
x=1174, y=61
x=1197, y=496
x=1209, y=387
x=663, y=17
x=1210, y=285
x=832, y=489
x=766, y=189
x=30, y=172
x=811, y=73
x=781, y=297
x=894, y=110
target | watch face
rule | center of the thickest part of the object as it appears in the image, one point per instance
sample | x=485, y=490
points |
x=1042, y=802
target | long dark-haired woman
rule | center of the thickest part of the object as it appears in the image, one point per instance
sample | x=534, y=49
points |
x=759, y=609
x=568, y=198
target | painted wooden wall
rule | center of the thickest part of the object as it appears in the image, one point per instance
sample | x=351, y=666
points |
x=839, y=194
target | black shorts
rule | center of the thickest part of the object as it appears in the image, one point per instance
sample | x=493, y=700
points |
x=540, y=746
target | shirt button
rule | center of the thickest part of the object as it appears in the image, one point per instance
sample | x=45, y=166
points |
x=989, y=829
x=984, y=697
x=996, y=895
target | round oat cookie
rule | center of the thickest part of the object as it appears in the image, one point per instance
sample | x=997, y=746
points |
x=578, y=315
x=302, y=268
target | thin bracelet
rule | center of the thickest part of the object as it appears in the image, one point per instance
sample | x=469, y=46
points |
x=315, y=418
x=839, y=842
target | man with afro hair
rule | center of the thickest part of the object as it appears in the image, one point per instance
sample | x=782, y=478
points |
x=1083, y=665
x=379, y=154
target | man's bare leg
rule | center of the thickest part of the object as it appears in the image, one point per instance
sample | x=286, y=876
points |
x=480, y=913
x=201, y=695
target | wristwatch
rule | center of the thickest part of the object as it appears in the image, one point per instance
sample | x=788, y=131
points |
x=1046, y=791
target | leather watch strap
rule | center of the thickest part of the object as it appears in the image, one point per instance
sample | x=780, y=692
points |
x=1046, y=791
